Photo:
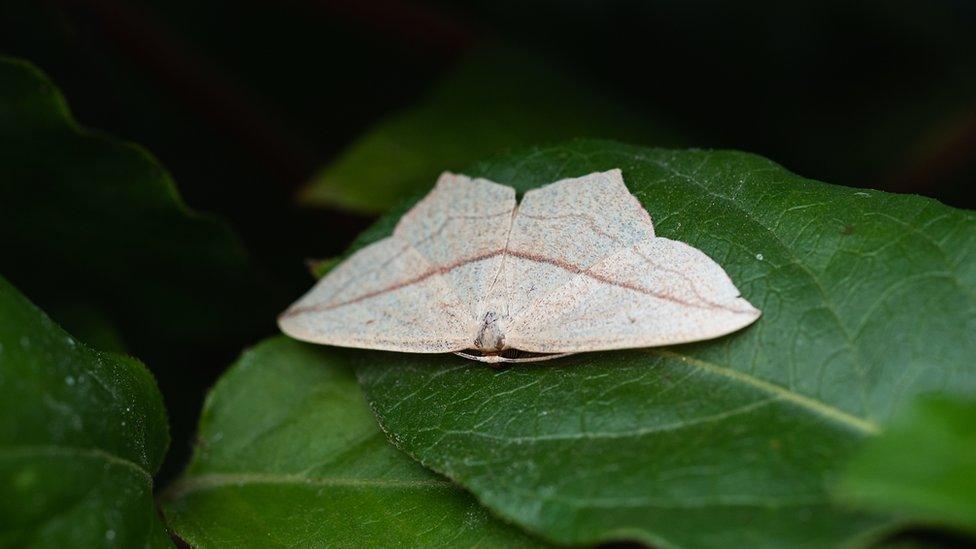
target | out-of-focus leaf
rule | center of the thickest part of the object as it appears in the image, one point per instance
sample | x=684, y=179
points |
x=85, y=215
x=90, y=325
x=923, y=467
x=289, y=454
x=492, y=101
x=868, y=299
x=320, y=268
x=81, y=434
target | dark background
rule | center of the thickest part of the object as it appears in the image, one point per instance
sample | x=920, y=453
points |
x=243, y=102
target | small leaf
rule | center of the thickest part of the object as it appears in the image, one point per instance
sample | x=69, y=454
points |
x=288, y=451
x=81, y=435
x=321, y=267
x=85, y=215
x=868, y=299
x=923, y=467
x=492, y=101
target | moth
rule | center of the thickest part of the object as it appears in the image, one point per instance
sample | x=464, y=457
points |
x=575, y=266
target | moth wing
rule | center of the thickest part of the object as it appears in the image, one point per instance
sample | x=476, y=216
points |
x=565, y=227
x=414, y=291
x=462, y=227
x=658, y=292
x=383, y=297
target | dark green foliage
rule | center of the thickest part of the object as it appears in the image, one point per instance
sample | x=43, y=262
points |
x=82, y=215
x=288, y=451
x=494, y=100
x=81, y=434
x=923, y=468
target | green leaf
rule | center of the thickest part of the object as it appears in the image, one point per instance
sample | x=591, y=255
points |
x=85, y=215
x=320, y=268
x=492, y=101
x=867, y=299
x=81, y=434
x=288, y=452
x=923, y=467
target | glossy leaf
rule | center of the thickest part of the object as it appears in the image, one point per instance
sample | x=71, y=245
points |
x=867, y=300
x=83, y=215
x=81, y=434
x=923, y=467
x=289, y=454
x=492, y=101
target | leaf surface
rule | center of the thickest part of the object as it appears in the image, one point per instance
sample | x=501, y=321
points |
x=85, y=215
x=867, y=300
x=288, y=454
x=81, y=434
x=492, y=101
x=923, y=467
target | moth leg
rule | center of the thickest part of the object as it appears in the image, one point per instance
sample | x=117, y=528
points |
x=498, y=359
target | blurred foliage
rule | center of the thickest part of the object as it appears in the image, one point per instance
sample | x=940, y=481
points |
x=923, y=467
x=492, y=101
x=877, y=93
x=83, y=215
x=81, y=434
x=320, y=268
x=91, y=222
x=221, y=113
x=851, y=93
x=91, y=325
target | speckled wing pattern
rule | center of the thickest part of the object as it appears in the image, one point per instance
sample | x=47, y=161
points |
x=575, y=267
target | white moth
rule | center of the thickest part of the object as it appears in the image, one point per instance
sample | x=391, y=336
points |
x=574, y=267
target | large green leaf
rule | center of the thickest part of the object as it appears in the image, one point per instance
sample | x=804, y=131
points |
x=85, y=215
x=81, y=434
x=923, y=467
x=867, y=299
x=288, y=454
x=492, y=101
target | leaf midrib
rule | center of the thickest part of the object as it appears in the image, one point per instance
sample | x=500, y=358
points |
x=75, y=451
x=210, y=481
x=687, y=503
x=813, y=405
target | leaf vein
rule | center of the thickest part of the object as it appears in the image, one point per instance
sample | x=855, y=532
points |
x=74, y=451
